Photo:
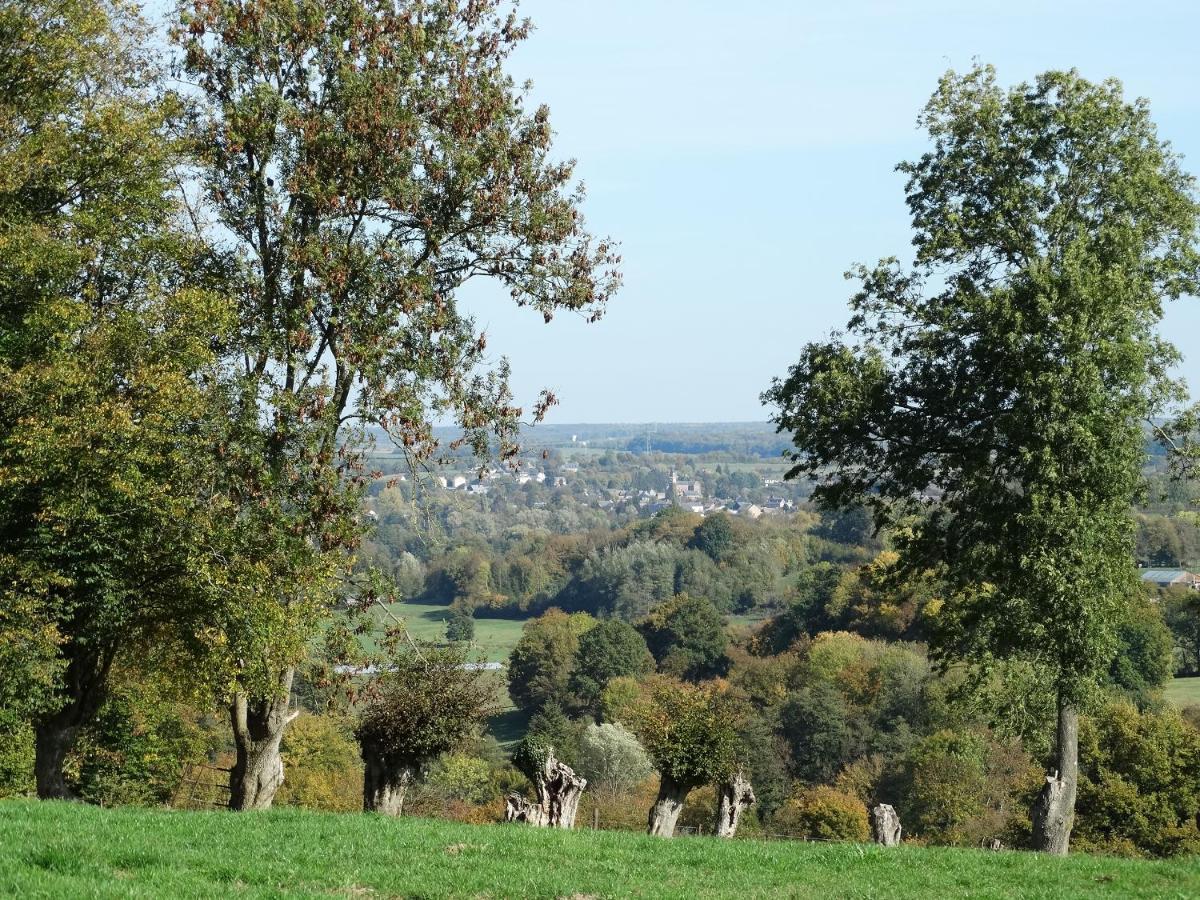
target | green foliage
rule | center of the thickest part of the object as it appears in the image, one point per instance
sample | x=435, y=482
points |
x=324, y=770
x=1140, y=782
x=460, y=627
x=16, y=755
x=815, y=723
x=1013, y=367
x=823, y=813
x=1144, y=661
x=461, y=777
x=1181, y=612
x=540, y=666
x=714, y=537
x=425, y=704
x=690, y=731
x=549, y=729
x=611, y=649
x=963, y=787
x=687, y=637
x=138, y=747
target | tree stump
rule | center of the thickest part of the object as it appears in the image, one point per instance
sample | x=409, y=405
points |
x=885, y=825
x=558, y=791
x=734, y=797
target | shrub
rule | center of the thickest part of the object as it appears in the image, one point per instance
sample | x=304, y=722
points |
x=612, y=760
x=322, y=763
x=1139, y=785
x=823, y=813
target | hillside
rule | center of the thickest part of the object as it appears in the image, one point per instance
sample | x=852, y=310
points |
x=60, y=850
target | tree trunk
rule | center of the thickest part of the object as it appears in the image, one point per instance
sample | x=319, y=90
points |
x=666, y=809
x=1054, y=811
x=84, y=682
x=384, y=789
x=52, y=742
x=885, y=825
x=558, y=790
x=258, y=725
x=734, y=797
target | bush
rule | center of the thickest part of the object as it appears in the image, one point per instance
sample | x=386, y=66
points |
x=1139, y=785
x=137, y=748
x=612, y=760
x=823, y=813
x=16, y=757
x=462, y=778
x=322, y=765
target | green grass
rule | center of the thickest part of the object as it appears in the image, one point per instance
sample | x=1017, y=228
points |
x=1183, y=691
x=494, y=638
x=64, y=850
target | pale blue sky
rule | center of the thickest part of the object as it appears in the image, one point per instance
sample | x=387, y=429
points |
x=743, y=155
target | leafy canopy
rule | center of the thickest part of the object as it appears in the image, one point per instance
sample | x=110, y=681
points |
x=991, y=399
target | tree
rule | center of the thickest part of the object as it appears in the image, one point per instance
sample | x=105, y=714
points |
x=360, y=162
x=110, y=394
x=426, y=704
x=1181, y=611
x=1144, y=659
x=460, y=626
x=991, y=400
x=714, y=537
x=1140, y=785
x=609, y=650
x=540, y=665
x=612, y=760
x=691, y=734
x=687, y=637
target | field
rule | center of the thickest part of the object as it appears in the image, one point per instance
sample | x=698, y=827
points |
x=494, y=638
x=66, y=850
x=1183, y=691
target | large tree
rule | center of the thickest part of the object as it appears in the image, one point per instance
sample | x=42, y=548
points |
x=991, y=399
x=361, y=160
x=108, y=375
x=691, y=734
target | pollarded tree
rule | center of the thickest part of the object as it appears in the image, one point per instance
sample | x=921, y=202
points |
x=108, y=376
x=427, y=703
x=992, y=398
x=362, y=160
x=691, y=734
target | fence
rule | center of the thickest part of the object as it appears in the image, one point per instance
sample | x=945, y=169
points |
x=198, y=789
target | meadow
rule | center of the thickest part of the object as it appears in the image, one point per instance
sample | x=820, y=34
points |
x=1183, y=691
x=71, y=850
x=494, y=638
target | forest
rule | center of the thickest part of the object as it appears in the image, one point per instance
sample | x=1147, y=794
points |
x=274, y=530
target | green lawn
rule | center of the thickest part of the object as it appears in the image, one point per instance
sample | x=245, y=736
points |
x=1183, y=691
x=64, y=850
x=494, y=638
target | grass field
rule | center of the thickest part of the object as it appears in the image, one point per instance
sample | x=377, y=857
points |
x=494, y=638
x=1183, y=691
x=65, y=850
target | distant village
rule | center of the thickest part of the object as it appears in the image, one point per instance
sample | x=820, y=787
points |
x=685, y=493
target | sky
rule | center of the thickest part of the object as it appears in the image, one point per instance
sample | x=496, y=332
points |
x=743, y=155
